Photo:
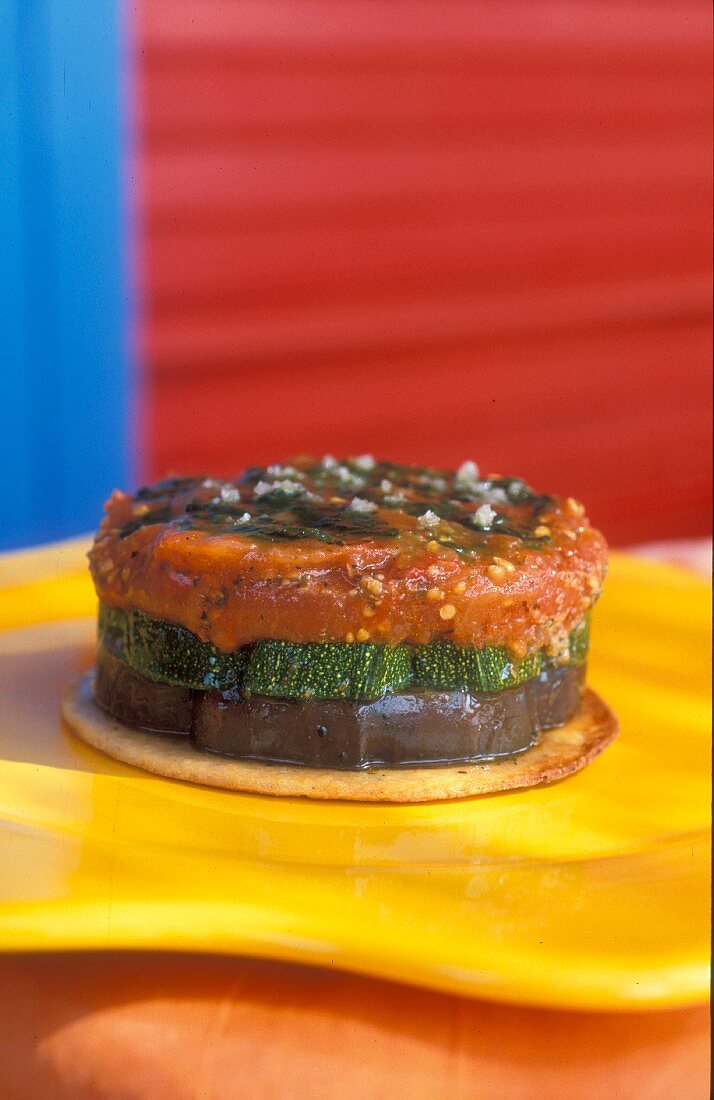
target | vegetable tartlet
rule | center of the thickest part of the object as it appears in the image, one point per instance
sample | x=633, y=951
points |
x=346, y=629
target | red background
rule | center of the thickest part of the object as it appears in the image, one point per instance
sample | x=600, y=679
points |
x=433, y=231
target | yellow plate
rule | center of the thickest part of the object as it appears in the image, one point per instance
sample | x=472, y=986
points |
x=590, y=892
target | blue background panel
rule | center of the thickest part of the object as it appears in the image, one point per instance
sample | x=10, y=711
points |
x=66, y=435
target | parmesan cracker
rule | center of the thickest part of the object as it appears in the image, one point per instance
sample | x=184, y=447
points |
x=558, y=753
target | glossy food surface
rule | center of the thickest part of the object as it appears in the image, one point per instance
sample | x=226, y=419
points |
x=353, y=551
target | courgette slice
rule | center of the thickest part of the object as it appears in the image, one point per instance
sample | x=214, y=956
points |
x=172, y=654
x=442, y=666
x=326, y=670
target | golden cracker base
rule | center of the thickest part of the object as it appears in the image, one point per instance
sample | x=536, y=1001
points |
x=558, y=753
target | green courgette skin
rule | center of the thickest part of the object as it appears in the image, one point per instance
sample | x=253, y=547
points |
x=328, y=670
x=579, y=643
x=167, y=652
x=171, y=654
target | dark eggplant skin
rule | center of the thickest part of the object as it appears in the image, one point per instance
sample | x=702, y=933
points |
x=147, y=704
x=398, y=730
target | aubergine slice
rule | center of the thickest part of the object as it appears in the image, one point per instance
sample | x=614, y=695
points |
x=141, y=702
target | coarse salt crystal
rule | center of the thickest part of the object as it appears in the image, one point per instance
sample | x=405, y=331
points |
x=484, y=516
x=428, y=519
x=290, y=488
x=467, y=473
x=364, y=462
x=359, y=505
x=229, y=494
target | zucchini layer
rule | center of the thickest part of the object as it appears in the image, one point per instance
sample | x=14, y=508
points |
x=171, y=654
x=326, y=670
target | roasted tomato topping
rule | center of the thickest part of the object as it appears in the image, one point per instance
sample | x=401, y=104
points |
x=353, y=550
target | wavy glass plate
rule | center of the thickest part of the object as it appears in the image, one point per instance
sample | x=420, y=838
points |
x=589, y=892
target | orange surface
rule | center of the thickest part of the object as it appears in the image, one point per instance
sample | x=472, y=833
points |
x=87, y=1026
